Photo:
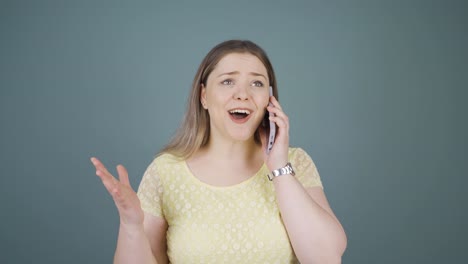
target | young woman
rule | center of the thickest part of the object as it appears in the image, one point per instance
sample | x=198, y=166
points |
x=214, y=194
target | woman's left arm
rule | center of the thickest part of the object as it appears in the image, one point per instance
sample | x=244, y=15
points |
x=315, y=233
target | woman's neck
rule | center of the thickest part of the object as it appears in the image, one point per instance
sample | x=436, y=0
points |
x=241, y=152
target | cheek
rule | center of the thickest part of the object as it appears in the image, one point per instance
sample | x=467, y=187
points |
x=217, y=100
x=211, y=96
x=263, y=101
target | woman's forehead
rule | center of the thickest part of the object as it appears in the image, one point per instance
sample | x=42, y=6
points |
x=240, y=62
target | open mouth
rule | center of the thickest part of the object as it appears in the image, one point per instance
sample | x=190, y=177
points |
x=239, y=114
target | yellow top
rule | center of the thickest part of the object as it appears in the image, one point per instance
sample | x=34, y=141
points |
x=209, y=224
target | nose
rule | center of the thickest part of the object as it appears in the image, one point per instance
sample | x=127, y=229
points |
x=241, y=92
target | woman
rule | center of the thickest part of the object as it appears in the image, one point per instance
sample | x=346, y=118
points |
x=207, y=198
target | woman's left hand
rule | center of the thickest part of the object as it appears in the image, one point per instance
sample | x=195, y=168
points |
x=278, y=156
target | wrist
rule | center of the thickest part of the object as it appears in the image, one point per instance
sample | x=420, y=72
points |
x=286, y=169
x=276, y=164
x=131, y=228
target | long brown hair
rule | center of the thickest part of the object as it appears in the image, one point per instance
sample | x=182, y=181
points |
x=194, y=131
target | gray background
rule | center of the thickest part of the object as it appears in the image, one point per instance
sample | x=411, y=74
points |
x=375, y=91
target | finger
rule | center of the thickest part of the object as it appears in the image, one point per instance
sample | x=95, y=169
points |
x=280, y=122
x=109, y=182
x=275, y=102
x=278, y=113
x=120, y=198
x=123, y=175
x=117, y=194
x=105, y=173
x=98, y=164
x=100, y=167
x=107, y=178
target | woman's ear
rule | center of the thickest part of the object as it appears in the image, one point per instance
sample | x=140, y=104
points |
x=203, y=96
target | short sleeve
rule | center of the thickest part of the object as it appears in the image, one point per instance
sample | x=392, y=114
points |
x=150, y=191
x=306, y=171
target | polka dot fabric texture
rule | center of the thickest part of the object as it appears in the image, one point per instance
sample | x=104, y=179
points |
x=209, y=224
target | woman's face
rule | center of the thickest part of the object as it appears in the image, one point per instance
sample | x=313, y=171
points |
x=236, y=95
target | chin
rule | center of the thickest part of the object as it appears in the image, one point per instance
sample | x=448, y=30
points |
x=243, y=136
x=245, y=133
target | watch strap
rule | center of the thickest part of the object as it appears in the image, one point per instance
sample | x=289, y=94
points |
x=287, y=169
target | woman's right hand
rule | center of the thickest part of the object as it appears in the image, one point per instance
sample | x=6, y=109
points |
x=125, y=198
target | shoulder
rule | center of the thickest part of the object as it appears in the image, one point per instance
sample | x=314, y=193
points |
x=306, y=171
x=166, y=159
x=297, y=152
x=162, y=163
x=299, y=156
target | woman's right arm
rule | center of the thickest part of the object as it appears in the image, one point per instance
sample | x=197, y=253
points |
x=142, y=244
x=142, y=237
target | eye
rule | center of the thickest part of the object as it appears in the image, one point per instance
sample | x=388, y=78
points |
x=228, y=82
x=258, y=84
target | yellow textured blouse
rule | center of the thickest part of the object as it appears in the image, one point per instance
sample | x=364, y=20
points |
x=209, y=224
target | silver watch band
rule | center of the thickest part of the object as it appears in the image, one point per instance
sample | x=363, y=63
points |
x=281, y=171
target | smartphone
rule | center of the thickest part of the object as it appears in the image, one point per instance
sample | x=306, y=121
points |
x=272, y=128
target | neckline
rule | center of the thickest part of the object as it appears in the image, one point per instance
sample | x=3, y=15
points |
x=234, y=186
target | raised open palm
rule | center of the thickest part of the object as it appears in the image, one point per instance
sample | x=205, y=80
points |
x=124, y=196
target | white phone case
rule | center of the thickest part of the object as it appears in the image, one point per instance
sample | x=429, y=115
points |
x=271, y=137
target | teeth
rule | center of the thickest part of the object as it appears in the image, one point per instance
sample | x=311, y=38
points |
x=240, y=111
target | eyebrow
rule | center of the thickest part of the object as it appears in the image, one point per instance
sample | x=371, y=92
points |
x=236, y=72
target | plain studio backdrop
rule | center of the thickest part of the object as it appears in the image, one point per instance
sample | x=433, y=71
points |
x=375, y=92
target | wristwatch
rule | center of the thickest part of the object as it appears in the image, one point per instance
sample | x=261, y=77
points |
x=281, y=171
